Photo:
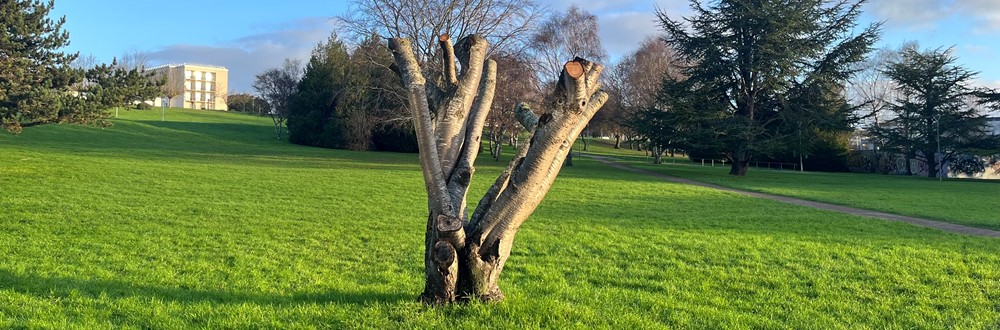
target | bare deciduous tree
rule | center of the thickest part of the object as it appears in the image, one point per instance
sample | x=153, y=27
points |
x=276, y=86
x=516, y=83
x=85, y=62
x=465, y=254
x=172, y=87
x=574, y=33
x=503, y=23
x=134, y=59
x=635, y=81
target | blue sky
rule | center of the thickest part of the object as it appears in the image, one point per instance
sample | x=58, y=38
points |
x=252, y=35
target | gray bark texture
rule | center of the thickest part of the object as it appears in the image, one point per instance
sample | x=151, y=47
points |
x=464, y=255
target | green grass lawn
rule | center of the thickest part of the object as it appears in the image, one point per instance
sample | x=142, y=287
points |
x=968, y=202
x=206, y=221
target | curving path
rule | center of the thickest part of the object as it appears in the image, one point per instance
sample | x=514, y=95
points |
x=949, y=227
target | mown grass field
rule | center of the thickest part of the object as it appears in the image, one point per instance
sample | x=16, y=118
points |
x=205, y=221
x=969, y=202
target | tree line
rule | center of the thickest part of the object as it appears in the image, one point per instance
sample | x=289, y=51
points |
x=738, y=81
x=772, y=81
x=349, y=95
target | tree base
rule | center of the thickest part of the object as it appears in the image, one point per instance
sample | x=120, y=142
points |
x=436, y=300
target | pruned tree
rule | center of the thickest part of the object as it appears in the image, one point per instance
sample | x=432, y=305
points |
x=276, y=86
x=464, y=255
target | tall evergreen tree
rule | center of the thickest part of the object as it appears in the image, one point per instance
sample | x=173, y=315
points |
x=748, y=56
x=35, y=75
x=316, y=115
x=937, y=113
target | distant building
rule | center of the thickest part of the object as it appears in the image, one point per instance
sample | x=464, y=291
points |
x=194, y=86
x=862, y=140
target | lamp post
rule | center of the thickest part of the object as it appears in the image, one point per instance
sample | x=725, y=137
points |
x=937, y=156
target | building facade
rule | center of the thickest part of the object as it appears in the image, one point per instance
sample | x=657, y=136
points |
x=193, y=86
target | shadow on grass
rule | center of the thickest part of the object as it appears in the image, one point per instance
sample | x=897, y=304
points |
x=46, y=287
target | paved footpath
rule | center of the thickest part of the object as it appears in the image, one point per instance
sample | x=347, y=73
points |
x=950, y=227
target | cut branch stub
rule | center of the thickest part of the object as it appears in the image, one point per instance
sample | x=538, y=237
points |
x=447, y=223
x=448, y=60
x=445, y=255
x=579, y=75
x=574, y=69
x=525, y=116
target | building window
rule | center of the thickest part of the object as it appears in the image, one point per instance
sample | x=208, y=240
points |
x=197, y=85
x=188, y=74
x=187, y=85
x=209, y=76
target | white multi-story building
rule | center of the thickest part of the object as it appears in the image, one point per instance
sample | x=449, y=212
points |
x=193, y=86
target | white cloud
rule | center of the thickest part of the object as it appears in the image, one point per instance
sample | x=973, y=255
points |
x=987, y=12
x=926, y=14
x=247, y=56
x=622, y=32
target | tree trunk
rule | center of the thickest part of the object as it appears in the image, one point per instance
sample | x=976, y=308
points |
x=464, y=255
x=569, y=158
x=932, y=165
x=741, y=161
x=657, y=155
x=618, y=141
x=586, y=145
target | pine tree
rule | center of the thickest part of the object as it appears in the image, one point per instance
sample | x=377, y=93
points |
x=748, y=59
x=938, y=116
x=35, y=75
x=316, y=110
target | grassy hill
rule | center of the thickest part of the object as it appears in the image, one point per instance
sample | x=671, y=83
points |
x=206, y=221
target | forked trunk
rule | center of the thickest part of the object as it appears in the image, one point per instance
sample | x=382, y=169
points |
x=464, y=255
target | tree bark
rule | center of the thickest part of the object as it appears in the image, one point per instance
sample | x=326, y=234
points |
x=464, y=255
x=932, y=164
x=741, y=161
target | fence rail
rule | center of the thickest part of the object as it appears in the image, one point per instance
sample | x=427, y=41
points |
x=777, y=166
